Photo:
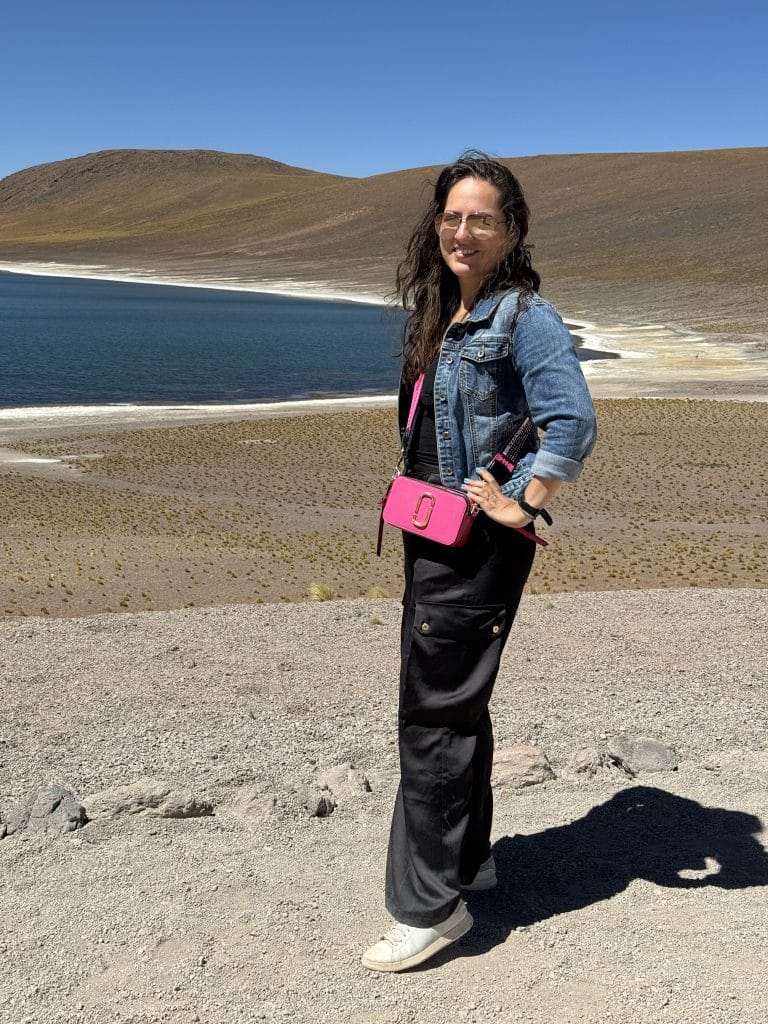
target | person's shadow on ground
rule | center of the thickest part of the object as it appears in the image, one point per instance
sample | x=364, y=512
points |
x=641, y=832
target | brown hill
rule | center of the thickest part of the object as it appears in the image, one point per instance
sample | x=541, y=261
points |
x=675, y=237
x=121, y=195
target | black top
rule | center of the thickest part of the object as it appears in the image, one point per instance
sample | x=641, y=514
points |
x=422, y=460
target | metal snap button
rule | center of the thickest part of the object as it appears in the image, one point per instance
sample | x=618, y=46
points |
x=449, y=359
x=497, y=629
x=481, y=353
x=425, y=627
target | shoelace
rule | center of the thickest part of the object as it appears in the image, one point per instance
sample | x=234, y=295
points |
x=397, y=935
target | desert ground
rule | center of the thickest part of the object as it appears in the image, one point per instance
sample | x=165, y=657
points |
x=209, y=890
x=207, y=513
x=225, y=745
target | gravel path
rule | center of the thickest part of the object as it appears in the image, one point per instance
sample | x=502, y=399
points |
x=622, y=900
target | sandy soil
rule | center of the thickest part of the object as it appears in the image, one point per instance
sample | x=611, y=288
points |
x=676, y=494
x=621, y=900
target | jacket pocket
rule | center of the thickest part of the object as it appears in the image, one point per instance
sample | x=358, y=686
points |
x=482, y=366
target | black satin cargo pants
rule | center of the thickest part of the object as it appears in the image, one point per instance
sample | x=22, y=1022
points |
x=458, y=608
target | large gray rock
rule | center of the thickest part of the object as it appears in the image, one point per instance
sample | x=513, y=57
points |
x=637, y=754
x=146, y=797
x=51, y=808
x=521, y=765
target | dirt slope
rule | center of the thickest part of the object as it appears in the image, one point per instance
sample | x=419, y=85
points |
x=672, y=236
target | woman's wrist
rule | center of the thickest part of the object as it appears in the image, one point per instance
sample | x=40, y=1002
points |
x=515, y=516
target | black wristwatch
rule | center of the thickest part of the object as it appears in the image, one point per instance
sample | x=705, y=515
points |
x=534, y=512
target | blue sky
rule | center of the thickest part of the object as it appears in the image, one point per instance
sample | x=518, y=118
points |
x=362, y=88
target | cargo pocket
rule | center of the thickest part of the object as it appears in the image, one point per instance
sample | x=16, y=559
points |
x=452, y=662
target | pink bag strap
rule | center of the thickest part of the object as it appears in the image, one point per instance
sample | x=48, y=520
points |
x=414, y=402
x=531, y=536
x=411, y=416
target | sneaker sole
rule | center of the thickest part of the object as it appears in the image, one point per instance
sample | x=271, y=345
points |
x=418, y=958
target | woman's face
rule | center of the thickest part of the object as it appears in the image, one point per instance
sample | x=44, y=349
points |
x=473, y=260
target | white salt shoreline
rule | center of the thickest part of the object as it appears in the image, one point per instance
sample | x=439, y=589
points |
x=289, y=289
x=19, y=423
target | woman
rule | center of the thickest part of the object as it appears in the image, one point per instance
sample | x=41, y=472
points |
x=490, y=349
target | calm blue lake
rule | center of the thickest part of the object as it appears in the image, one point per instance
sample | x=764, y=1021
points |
x=68, y=341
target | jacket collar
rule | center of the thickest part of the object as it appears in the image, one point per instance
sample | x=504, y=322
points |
x=485, y=308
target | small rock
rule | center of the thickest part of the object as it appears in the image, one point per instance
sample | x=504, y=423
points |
x=319, y=803
x=249, y=803
x=147, y=796
x=51, y=808
x=344, y=780
x=521, y=765
x=184, y=803
x=586, y=761
x=642, y=754
x=310, y=799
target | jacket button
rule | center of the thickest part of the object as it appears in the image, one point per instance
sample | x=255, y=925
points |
x=443, y=398
x=449, y=359
x=481, y=353
x=497, y=629
x=425, y=627
x=446, y=434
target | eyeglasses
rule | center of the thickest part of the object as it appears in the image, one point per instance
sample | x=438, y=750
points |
x=479, y=225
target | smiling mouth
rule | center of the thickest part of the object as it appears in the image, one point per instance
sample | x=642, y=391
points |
x=463, y=253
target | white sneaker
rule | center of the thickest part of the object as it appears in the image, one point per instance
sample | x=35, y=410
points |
x=403, y=946
x=485, y=877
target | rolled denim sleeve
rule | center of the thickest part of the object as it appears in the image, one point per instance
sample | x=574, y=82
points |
x=561, y=406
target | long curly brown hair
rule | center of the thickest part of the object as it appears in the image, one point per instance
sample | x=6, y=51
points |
x=428, y=290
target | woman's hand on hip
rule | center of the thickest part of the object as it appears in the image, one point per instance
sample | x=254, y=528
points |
x=486, y=493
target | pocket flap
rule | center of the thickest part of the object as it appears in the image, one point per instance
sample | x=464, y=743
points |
x=486, y=350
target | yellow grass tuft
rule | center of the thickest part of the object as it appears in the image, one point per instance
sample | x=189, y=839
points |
x=320, y=591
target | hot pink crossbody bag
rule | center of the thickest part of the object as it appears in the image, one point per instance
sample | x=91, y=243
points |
x=442, y=514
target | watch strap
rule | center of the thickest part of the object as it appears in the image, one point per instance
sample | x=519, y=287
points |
x=532, y=512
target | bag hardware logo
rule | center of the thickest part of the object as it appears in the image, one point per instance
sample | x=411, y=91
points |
x=425, y=496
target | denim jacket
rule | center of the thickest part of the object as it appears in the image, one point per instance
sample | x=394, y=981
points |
x=495, y=366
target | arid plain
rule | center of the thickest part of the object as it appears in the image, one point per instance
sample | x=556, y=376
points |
x=675, y=495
